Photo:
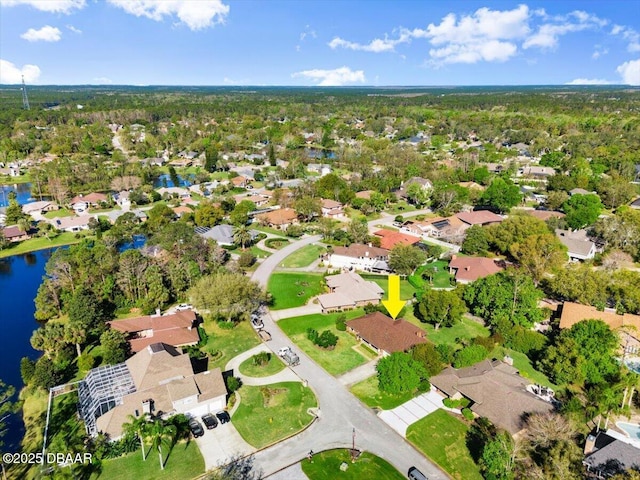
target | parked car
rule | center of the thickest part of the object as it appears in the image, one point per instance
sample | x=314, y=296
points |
x=209, y=421
x=184, y=306
x=415, y=474
x=289, y=356
x=223, y=416
x=256, y=322
x=283, y=351
x=196, y=428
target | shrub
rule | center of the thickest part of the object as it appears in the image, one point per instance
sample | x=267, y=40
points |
x=469, y=355
x=294, y=231
x=468, y=414
x=524, y=340
x=312, y=334
x=86, y=362
x=27, y=368
x=446, y=353
x=487, y=342
x=341, y=323
x=424, y=386
x=261, y=359
x=275, y=242
x=246, y=259
x=233, y=384
x=327, y=339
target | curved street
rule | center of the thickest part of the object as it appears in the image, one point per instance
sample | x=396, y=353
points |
x=340, y=413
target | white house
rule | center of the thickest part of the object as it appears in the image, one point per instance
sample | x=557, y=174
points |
x=358, y=256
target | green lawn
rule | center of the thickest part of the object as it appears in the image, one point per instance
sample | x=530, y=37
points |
x=326, y=466
x=273, y=412
x=406, y=289
x=63, y=212
x=337, y=361
x=276, y=243
x=223, y=345
x=184, y=461
x=272, y=367
x=465, y=329
x=523, y=364
x=265, y=229
x=258, y=252
x=40, y=243
x=440, y=279
x=293, y=289
x=303, y=257
x=8, y=180
x=369, y=393
x=441, y=437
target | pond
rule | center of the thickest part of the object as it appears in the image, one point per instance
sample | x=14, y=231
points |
x=20, y=277
x=22, y=191
x=164, y=180
x=319, y=153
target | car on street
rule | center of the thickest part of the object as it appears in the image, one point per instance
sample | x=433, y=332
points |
x=283, y=351
x=196, y=428
x=210, y=421
x=223, y=416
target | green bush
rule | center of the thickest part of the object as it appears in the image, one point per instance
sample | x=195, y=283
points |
x=294, y=231
x=523, y=340
x=233, y=384
x=456, y=403
x=468, y=414
x=275, y=242
x=86, y=362
x=27, y=368
x=246, y=259
x=312, y=334
x=341, y=323
x=469, y=356
x=327, y=339
x=261, y=359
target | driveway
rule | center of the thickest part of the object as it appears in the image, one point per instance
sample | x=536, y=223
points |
x=307, y=309
x=410, y=412
x=359, y=374
x=220, y=444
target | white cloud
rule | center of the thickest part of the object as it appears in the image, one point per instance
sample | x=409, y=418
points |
x=630, y=72
x=599, y=51
x=10, y=73
x=548, y=34
x=589, y=81
x=45, y=34
x=628, y=34
x=308, y=32
x=332, y=78
x=55, y=6
x=102, y=81
x=196, y=14
x=376, y=45
x=74, y=29
x=490, y=51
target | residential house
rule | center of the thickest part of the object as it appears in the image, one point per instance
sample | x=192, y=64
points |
x=496, y=390
x=222, y=234
x=14, y=234
x=280, y=218
x=158, y=381
x=122, y=200
x=153, y=162
x=478, y=217
x=181, y=210
x=578, y=244
x=365, y=194
x=181, y=162
x=469, y=269
x=82, y=203
x=627, y=325
x=606, y=453
x=332, y=209
x=321, y=168
x=349, y=290
x=71, y=224
x=580, y=191
x=438, y=227
x=401, y=193
x=384, y=334
x=181, y=193
x=390, y=238
x=537, y=172
x=471, y=186
x=358, y=256
x=39, y=208
x=240, y=181
x=177, y=329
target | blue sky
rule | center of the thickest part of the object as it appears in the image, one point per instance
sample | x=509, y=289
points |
x=309, y=42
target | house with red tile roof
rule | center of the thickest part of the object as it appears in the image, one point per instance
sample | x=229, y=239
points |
x=390, y=238
x=177, y=329
x=240, y=181
x=280, y=218
x=470, y=269
x=384, y=334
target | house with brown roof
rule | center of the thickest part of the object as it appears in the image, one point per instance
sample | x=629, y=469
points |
x=390, y=238
x=470, y=269
x=359, y=256
x=281, y=218
x=158, y=380
x=496, y=390
x=437, y=227
x=349, y=290
x=240, y=181
x=177, y=329
x=627, y=325
x=479, y=217
x=91, y=200
x=14, y=234
x=384, y=334
x=364, y=194
x=331, y=209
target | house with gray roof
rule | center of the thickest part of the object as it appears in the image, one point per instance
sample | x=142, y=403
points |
x=579, y=246
x=222, y=234
x=605, y=455
x=349, y=290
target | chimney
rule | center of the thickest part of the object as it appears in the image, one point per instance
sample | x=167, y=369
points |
x=590, y=445
x=158, y=313
x=453, y=257
x=508, y=360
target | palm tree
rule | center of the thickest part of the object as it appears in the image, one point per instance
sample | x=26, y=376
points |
x=24, y=225
x=242, y=235
x=159, y=432
x=75, y=334
x=138, y=426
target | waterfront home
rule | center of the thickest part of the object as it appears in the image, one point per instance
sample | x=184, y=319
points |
x=14, y=234
x=38, y=208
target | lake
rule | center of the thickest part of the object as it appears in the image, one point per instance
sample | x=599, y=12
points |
x=20, y=277
x=22, y=190
x=164, y=180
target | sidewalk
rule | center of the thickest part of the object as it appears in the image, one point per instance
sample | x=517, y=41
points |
x=358, y=374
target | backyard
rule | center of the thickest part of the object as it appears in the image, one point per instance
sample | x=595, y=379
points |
x=442, y=438
x=291, y=290
x=225, y=344
x=369, y=393
x=184, y=461
x=270, y=413
x=406, y=289
x=432, y=275
x=303, y=257
x=326, y=466
x=40, y=243
x=337, y=361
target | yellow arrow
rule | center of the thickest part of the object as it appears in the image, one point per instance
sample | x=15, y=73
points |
x=394, y=304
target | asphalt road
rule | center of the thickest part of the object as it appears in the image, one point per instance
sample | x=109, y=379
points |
x=341, y=414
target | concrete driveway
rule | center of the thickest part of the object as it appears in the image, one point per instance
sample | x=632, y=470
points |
x=410, y=412
x=220, y=444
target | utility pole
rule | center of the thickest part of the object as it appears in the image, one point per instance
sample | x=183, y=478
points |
x=25, y=99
